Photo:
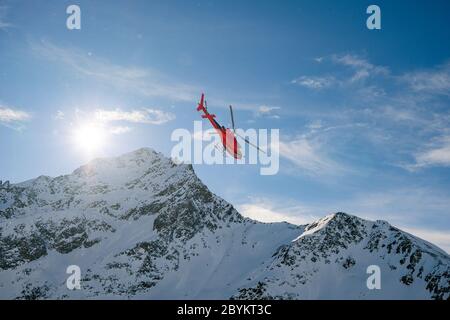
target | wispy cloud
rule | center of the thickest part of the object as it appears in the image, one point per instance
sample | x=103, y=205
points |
x=137, y=80
x=4, y=24
x=313, y=151
x=352, y=61
x=439, y=155
x=266, y=210
x=318, y=59
x=314, y=82
x=120, y=129
x=148, y=116
x=112, y=121
x=309, y=156
x=406, y=114
x=399, y=114
x=266, y=111
x=59, y=115
x=12, y=117
x=362, y=67
x=436, y=81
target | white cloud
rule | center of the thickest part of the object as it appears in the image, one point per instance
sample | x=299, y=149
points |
x=119, y=130
x=318, y=59
x=10, y=115
x=359, y=64
x=308, y=156
x=352, y=61
x=397, y=113
x=3, y=23
x=59, y=115
x=141, y=81
x=360, y=75
x=437, y=156
x=266, y=111
x=117, y=121
x=401, y=123
x=315, y=125
x=362, y=68
x=435, y=81
x=264, y=214
x=105, y=119
x=159, y=116
x=149, y=116
x=265, y=210
x=314, y=82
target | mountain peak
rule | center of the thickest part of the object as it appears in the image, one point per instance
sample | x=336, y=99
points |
x=336, y=220
x=137, y=157
x=129, y=166
x=142, y=153
x=139, y=183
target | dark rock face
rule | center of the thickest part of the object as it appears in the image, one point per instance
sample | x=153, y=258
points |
x=31, y=242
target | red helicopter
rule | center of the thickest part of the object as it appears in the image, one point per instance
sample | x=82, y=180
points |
x=227, y=135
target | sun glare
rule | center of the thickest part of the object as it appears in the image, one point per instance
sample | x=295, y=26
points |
x=89, y=138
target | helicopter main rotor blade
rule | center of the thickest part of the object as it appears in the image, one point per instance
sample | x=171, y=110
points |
x=248, y=142
x=232, y=117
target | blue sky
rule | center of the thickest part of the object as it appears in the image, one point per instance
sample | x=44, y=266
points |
x=363, y=114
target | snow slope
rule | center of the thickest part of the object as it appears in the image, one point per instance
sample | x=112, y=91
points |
x=141, y=227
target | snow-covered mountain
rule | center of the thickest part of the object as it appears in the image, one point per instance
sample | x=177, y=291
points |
x=140, y=226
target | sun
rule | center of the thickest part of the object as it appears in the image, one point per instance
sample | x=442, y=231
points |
x=89, y=138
